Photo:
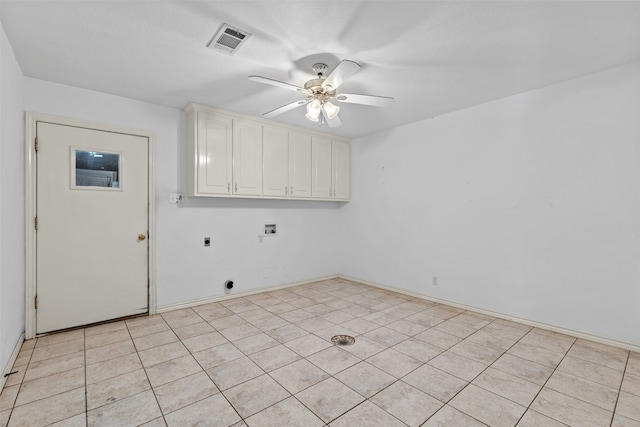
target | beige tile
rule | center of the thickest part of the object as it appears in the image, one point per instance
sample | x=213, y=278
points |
x=308, y=344
x=487, y=407
x=144, y=322
x=289, y=412
x=8, y=397
x=591, y=371
x=293, y=316
x=154, y=340
x=329, y=399
x=620, y=421
x=477, y=352
x=451, y=327
x=233, y=373
x=204, y=341
x=190, y=331
x=79, y=420
x=172, y=370
x=365, y=378
x=633, y=363
x=112, y=368
x=457, y=365
x=395, y=363
x=628, y=406
x=270, y=323
x=57, y=350
x=255, y=343
x=439, y=339
x=534, y=419
x=53, y=366
x=16, y=376
x=116, y=388
x=59, y=337
x=109, y=351
x=238, y=332
x=407, y=403
x=449, y=417
x=153, y=327
x=631, y=384
x=530, y=371
x=547, y=342
x=599, y=356
x=406, y=327
x=496, y=337
x=602, y=347
x=274, y=357
x=49, y=410
x=217, y=355
x=228, y=322
x=29, y=344
x=582, y=389
x=361, y=326
x=386, y=336
x=158, y=422
x=95, y=341
x=255, y=395
x=184, y=392
x=286, y=333
x=366, y=415
x=313, y=324
x=424, y=319
x=418, y=349
x=162, y=353
x=180, y=318
x=254, y=316
x=569, y=410
x=553, y=334
x=364, y=347
x=107, y=327
x=212, y=311
x=48, y=386
x=508, y=386
x=435, y=382
x=133, y=410
x=536, y=354
x=381, y=318
x=4, y=417
x=317, y=309
x=239, y=306
x=298, y=375
x=333, y=360
x=511, y=324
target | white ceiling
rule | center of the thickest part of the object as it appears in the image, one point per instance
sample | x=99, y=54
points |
x=432, y=57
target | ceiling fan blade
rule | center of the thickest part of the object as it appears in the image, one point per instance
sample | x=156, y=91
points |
x=343, y=71
x=278, y=83
x=333, y=123
x=376, y=101
x=285, y=108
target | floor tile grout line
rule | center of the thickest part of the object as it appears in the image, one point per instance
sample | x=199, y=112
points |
x=624, y=373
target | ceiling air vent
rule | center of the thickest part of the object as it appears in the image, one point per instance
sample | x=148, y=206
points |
x=228, y=39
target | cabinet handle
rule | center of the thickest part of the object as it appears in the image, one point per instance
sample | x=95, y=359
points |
x=228, y=187
x=291, y=190
x=236, y=189
x=286, y=190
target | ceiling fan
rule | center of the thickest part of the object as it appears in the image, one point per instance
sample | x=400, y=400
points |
x=319, y=92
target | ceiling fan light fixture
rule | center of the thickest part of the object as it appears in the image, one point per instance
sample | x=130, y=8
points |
x=331, y=109
x=312, y=118
x=314, y=108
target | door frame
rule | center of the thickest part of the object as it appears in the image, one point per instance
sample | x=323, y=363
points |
x=31, y=193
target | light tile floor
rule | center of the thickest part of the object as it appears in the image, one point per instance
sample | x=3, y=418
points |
x=267, y=360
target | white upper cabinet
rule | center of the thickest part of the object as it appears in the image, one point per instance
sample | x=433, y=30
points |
x=211, y=162
x=247, y=158
x=330, y=169
x=299, y=165
x=275, y=154
x=234, y=155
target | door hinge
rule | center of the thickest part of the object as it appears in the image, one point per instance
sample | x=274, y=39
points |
x=35, y=223
x=36, y=144
x=35, y=302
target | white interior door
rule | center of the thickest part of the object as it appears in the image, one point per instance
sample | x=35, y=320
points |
x=92, y=226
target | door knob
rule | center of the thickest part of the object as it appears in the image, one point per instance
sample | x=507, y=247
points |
x=141, y=237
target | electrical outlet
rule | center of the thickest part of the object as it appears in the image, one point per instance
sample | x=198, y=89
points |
x=435, y=281
x=207, y=241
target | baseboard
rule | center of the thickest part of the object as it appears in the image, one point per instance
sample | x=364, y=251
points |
x=193, y=303
x=554, y=328
x=11, y=361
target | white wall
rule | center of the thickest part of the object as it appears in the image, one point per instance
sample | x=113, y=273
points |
x=11, y=202
x=527, y=206
x=186, y=270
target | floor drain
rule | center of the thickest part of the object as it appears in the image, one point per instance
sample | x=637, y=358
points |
x=343, y=340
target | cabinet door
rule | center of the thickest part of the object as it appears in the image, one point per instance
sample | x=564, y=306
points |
x=321, y=168
x=299, y=165
x=275, y=155
x=214, y=148
x=340, y=170
x=247, y=158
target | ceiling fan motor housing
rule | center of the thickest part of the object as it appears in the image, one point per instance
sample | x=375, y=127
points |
x=320, y=69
